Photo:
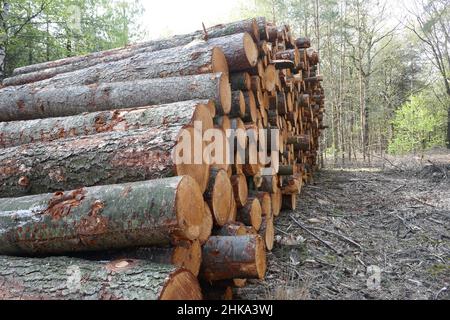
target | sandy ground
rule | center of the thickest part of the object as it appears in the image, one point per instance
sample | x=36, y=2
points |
x=365, y=233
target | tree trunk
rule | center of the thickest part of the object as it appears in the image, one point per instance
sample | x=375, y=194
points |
x=73, y=279
x=102, y=218
x=228, y=258
x=44, y=130
x=82, y=62
x=109, y=158
x=219, y=196
x=251, y=214
x=26, y=103
x=182, y=61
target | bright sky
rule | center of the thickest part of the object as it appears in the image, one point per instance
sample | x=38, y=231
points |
x=166, y=17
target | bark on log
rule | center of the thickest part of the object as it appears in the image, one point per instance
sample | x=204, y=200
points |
x=251, y=214
x=198, y=58
x=218, y=195
x=108, y=158
x=102, y=218
x=228, y=258
x=62, y=278
x=250, y=26
x=44, y=130
x=303, y=43
x=26, y=103
x=269, y=184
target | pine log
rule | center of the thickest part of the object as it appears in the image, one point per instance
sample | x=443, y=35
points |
x=240, y=190
x=108, y=158
x=27, y=103
x=237, y=105
x=251, y=214
x=235, y=229
x=265, y=201
x=262, y=27
x=198, y=58
x=44, y=130
x=227, y=258
x=303, y=43
x=267, y=232
x=240, y=50
x=219, y=196
x=62, y=278
x=270, y=76
x=277, y=201
x=269, y=184
x=207, y=225
x=102, y=218
x=250, y=107
x=81, y=62
x=289, y=202
x=240, y=81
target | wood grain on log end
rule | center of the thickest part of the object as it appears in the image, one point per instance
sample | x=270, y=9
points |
x=219, y=194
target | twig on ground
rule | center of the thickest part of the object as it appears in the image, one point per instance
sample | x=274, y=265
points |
x=339, y=236
x=316, y=236
x=423, y=202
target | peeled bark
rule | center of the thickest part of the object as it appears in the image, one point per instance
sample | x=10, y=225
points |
x=218, y=195
x=108, y=158
x=26, y=103
x=102, y=218
x=44, y=130
x=62, y=278
x=199, y=58
x=228, y=258
x=251, y=214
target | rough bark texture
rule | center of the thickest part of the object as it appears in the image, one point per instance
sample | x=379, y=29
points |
x=44, y=130
x=227, y=258
x=181, y=61
x=25, y=103
x=76, y=63
x=73, y=279
x=101, y=218
x=108, y=158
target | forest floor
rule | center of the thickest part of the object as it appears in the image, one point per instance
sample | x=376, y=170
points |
x=378, y=232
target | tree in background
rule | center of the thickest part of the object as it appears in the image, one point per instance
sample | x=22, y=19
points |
x=371, y=64
x=33, y=31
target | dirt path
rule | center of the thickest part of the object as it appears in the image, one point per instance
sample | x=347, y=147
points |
x=387, y=237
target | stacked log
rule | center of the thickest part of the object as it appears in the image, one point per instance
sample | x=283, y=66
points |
x=170, y=159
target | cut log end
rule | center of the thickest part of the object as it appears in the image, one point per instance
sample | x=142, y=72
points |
x=182, y=285
x=261, y=258
x=188, y=255
x=240, y=189
x=219, y=61
x=207, y=225
x=220, y=196
x=251, y=50
x=225, y=94
x=189, y=208
x=199, y=172
x=270, y=76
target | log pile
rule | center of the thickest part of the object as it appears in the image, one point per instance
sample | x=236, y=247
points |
x=100, y=161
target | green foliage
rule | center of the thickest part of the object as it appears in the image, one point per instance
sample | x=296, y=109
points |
x=43, y=30
x=418, y=125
